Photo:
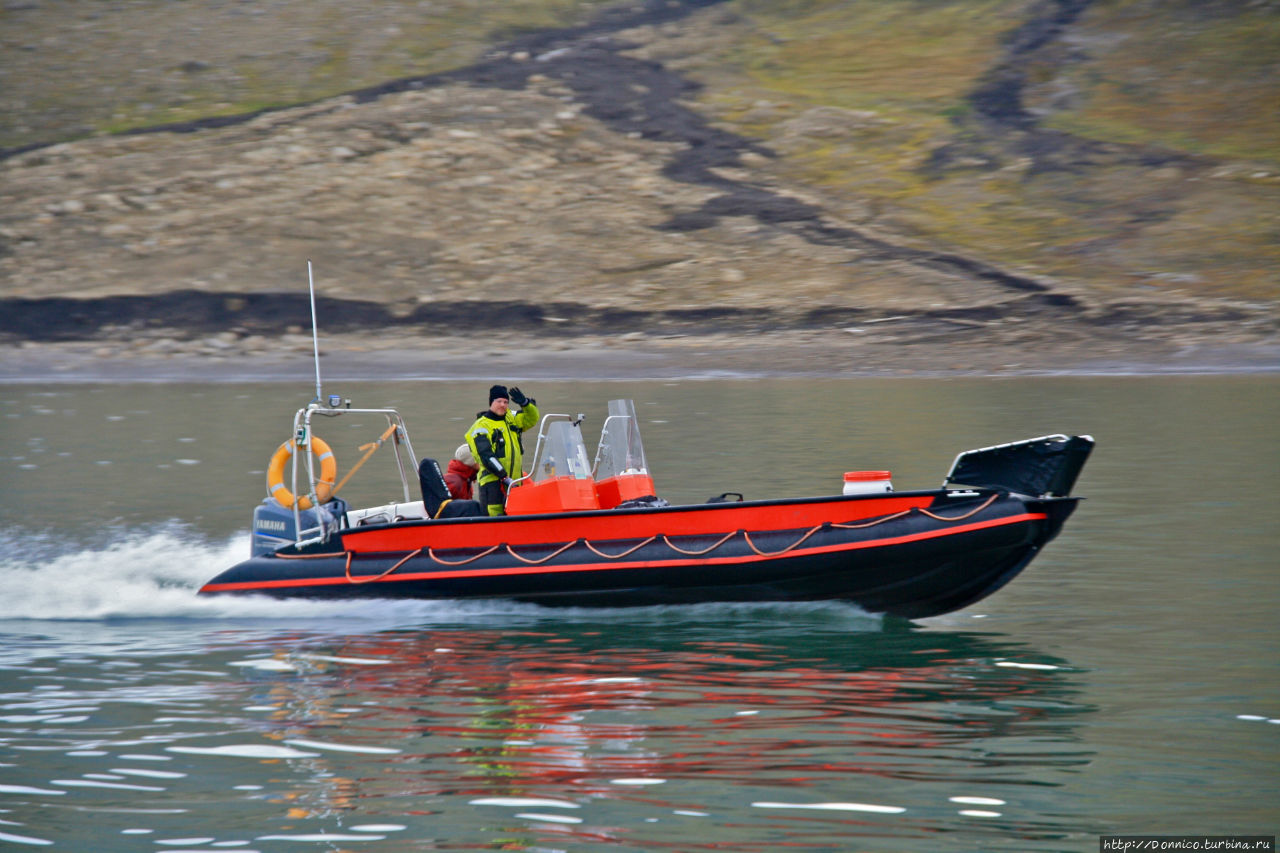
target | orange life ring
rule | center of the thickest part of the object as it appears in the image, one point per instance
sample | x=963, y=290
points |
x=324, y=487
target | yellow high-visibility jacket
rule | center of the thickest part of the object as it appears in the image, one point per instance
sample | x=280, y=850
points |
x=496, y=443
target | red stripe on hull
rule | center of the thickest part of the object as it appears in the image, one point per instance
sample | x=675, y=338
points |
x=535, y=530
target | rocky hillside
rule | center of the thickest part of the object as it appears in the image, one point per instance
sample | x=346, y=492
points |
x=1006, y=169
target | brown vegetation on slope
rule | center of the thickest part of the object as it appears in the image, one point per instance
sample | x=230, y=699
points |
x=641, y=172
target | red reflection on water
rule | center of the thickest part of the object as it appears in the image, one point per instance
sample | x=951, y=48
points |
x=537, y=714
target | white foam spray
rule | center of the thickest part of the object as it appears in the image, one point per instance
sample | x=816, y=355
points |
x=156, y=574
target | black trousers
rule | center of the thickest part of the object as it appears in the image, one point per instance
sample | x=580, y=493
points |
x=490, y=496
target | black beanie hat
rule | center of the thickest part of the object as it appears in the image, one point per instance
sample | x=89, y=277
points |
x=497, y=391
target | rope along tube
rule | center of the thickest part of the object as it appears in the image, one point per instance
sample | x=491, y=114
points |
x=896, y=515
x=922, y=511
x=665, y=539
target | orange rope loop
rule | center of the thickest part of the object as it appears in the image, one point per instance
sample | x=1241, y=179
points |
x=795, y=544
x=632, y=550
x=726, y=538
x=873, y=522
x=471, y=559
x=988, y=502
x=556, y=553
x=406, y=558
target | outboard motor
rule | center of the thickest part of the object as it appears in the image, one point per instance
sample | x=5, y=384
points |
x=273, y=525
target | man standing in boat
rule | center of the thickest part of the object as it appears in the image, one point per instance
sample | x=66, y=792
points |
x=494, y=440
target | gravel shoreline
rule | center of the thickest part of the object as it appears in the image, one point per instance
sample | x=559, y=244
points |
x=634, y=356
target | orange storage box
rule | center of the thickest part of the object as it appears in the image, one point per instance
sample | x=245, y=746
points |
x=624, y=487
x=554, y=494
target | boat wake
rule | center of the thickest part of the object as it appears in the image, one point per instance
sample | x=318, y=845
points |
x=143, y=575
x=155, y=574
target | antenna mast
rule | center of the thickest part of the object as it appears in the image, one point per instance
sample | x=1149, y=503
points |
x=315, y=339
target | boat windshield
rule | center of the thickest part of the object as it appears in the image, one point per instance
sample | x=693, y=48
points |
x=620, y=451
x=562, y=453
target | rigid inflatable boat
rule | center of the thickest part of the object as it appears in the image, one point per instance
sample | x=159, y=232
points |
x=597, y=534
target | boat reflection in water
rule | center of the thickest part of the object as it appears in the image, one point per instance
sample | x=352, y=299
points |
x=584, y=730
